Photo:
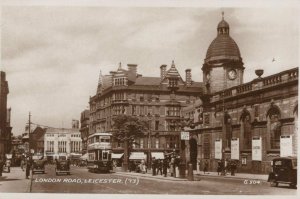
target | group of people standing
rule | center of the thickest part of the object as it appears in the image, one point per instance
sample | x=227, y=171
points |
x=224, y=166
x=162, y=166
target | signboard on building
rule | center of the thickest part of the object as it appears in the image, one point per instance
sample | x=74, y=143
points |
x=235, y=149
x=286, y=147
x=185, y=135
x=218, y=149
x=256, y=149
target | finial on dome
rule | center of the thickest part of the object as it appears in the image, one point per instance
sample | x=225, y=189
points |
x=173, y=64
x=120, y=66
x=222, y=15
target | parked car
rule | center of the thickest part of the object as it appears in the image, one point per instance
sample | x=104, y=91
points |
x=284, y=170
x=38, y=165
x=62, y=167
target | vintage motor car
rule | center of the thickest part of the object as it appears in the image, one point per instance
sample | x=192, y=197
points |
x=284, y=170
x=62, y=167
x=38, y=164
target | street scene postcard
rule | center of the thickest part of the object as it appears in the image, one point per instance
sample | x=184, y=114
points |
x=149, y=99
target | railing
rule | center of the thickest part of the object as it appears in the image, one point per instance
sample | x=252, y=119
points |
x=244, y=88
x=272, y=80
x=258, y=83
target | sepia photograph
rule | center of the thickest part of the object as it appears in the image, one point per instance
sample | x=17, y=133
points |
x=149, y=98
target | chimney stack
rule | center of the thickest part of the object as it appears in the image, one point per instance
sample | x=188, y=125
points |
x=163, y=70
x=132, y=68
x=188, y=77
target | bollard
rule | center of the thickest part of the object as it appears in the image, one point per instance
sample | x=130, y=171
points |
x=190, y=176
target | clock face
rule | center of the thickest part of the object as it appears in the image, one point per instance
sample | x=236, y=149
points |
x=232, y=74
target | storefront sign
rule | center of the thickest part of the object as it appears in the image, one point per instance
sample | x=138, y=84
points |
x=218, y=149
x=286, y=147
x=256, y=149
x=235, y=149
x=185, y=135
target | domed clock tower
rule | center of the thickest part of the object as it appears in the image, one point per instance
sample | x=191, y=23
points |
x=223, y=66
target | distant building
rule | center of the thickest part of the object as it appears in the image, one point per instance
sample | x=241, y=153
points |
x=37, y=140
x=84, y=129
x=60, y=142
x=5, y=128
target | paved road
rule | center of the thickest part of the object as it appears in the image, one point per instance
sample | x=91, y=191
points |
x=81, y=181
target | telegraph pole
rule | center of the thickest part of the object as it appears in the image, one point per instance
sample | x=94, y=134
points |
x=29, y=129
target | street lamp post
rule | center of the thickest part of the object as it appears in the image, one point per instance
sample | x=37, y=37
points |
x=149, y=140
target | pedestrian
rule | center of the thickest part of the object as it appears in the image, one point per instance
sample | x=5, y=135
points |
x=165, y=167
x=22, y=163
x=222, y=167
x=153, y=167
x=205, y=166
x=28, y=166
x=219, y=170
x=159, y=167
x=172, y=166
x=233, y=168
x=226, y=167
x=1, y=165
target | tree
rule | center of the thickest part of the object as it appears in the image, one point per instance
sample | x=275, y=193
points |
x=131, y=125
x=128, y=128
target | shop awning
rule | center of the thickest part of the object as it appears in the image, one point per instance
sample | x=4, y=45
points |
x=116, y=155
x=158, y=155
x=137, y=156
x=84, y=157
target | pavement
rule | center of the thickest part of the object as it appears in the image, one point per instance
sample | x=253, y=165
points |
x=197, y=175
x=15, y=182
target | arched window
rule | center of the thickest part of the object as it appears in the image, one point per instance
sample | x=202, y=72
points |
x=228, y=129
x=275, y=127
x=247, y=132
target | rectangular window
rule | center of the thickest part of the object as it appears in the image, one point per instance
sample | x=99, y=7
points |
x=133, y=109
x=156, y=125
x=141, y=143
x=206, y=119
x=206, y=146
x=157, y=143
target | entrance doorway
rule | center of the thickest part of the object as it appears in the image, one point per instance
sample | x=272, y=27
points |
x=193, y=153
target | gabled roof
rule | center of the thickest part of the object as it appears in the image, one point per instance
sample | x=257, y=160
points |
x=147, y=81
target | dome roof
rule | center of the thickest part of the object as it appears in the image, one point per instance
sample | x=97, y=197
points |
x=223, y=47
x=223, y=24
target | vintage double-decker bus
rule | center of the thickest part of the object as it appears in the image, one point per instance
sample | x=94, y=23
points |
x=99, y=152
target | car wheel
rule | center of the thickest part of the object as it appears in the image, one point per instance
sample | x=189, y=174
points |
x=273, y=183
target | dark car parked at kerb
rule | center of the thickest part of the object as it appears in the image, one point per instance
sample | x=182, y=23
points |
x=62, y=167
x=38, y=164
x=284, y=170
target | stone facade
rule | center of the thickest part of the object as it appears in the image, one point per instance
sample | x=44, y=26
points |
x=257, y=118
x=62, y=143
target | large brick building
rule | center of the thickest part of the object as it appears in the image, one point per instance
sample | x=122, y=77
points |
x=5, y=128
x=127, y=92
x=249, y=122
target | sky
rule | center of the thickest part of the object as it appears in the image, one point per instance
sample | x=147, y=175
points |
x=52, y=55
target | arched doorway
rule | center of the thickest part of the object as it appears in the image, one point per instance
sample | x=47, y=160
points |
x=193, y=152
